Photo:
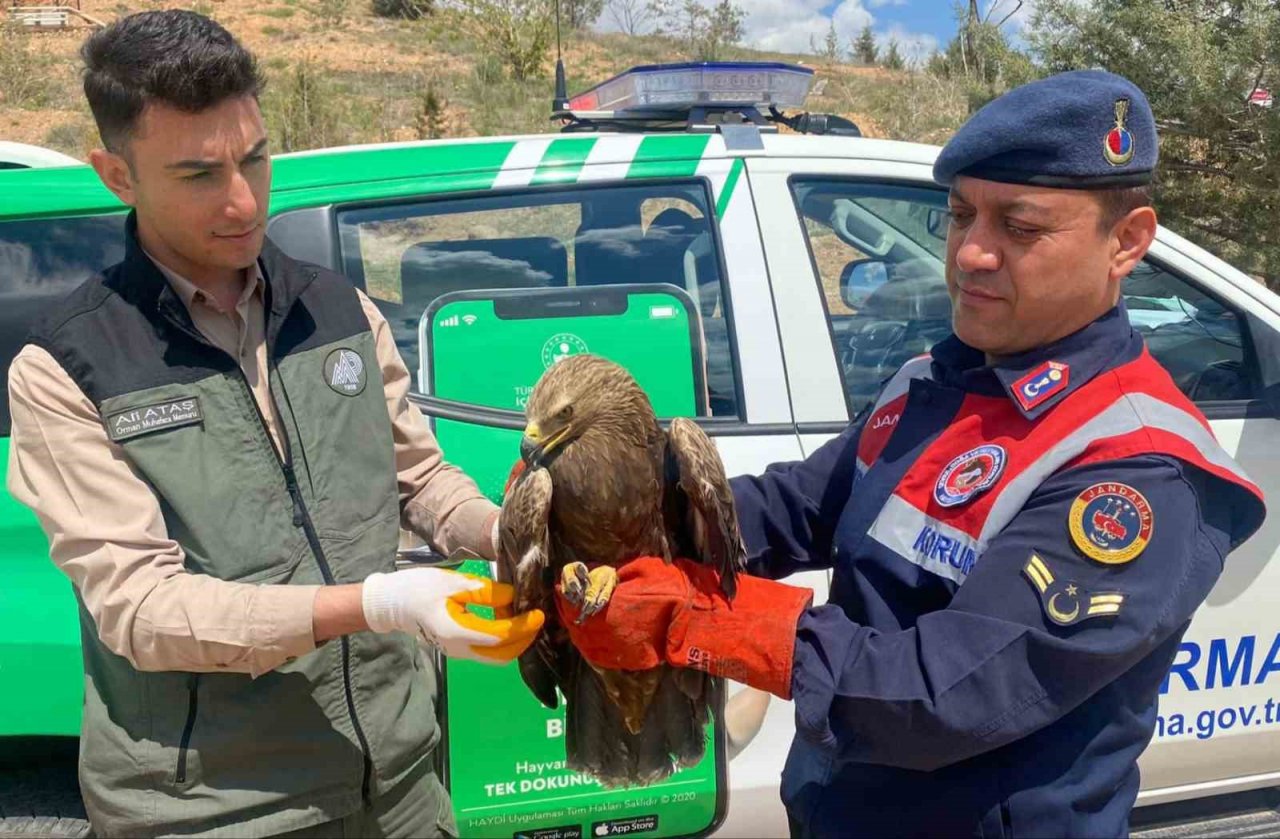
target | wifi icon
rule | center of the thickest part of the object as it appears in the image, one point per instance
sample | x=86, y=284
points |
x=469, y=319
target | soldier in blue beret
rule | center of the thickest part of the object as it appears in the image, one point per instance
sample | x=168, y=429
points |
x=1019, y=530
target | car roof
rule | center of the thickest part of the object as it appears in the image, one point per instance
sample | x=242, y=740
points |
x=322, y=175
x=25, y=155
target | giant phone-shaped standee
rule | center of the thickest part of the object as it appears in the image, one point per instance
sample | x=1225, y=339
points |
x=504, y=760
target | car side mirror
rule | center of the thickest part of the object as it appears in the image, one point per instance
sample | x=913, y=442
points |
x=861, y=279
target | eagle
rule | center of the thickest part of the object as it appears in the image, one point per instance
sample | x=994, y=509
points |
x=600, y=483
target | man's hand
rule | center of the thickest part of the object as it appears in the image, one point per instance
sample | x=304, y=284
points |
x=431, y=603
x=675, y=613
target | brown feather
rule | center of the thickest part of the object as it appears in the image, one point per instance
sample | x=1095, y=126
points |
x=712, y=517
x=523, y=562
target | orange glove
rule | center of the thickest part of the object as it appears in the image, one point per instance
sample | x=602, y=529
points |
x=676, y=614
x=431, y=603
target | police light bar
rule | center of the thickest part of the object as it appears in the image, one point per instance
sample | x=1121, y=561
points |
x=682, y=86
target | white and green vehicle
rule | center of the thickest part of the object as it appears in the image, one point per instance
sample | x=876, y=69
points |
x=814, y=268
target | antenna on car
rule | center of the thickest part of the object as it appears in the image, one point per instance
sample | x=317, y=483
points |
x=561, y=98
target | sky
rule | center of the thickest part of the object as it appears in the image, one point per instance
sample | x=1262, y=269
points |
x=919, y=26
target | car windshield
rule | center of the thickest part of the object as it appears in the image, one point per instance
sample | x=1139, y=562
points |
x=40, y=261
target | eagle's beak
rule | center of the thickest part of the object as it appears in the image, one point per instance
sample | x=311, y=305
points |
x=530, y=444
x=533, y=446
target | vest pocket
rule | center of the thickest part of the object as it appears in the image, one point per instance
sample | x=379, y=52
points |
x=180, y=773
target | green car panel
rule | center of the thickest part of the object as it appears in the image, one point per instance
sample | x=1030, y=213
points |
x=39, y=630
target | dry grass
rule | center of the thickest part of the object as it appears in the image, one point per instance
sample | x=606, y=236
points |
x=375, y=72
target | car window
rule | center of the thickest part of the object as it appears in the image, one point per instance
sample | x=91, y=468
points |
x=407, y=255
x=879, y=252
x=1198, y=339
x=40, y=262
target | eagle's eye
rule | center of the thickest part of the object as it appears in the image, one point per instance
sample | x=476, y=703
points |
x=565, y=414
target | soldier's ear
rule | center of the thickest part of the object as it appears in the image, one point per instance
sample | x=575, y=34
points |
x=1131, y=237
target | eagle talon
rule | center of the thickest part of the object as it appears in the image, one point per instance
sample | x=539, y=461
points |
x=588, y=590
x=574, y=580
x=603, y=581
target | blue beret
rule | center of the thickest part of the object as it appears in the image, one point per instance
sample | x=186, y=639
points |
x=1086, y=129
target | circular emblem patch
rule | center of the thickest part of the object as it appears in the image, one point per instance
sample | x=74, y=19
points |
x=969, y=474
x=344, y=372
x=560, y=346
x=1111, y=523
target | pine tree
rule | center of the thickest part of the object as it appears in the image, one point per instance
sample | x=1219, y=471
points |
x=1197, y=61
x=864, y=48
x=893, y=58
x=831, y=44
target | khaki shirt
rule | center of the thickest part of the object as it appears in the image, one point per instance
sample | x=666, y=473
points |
x=107, y=534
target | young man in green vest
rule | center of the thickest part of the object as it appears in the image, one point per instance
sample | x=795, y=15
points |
x=217, y=441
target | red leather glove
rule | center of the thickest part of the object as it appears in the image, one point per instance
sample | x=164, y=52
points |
x=676, y=614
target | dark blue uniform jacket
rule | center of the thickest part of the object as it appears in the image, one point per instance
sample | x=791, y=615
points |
x=1000, y=684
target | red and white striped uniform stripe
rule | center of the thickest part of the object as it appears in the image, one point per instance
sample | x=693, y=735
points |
x=1133, y=409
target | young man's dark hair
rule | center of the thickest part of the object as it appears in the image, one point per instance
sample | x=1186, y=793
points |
x=174, y=56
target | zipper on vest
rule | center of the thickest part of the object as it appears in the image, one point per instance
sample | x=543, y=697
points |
x=180, y=774
x=301, y=518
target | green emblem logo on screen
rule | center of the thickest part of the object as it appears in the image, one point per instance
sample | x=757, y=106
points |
x=560, y=346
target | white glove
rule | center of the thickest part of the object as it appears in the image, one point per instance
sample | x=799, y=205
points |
x=431, y=603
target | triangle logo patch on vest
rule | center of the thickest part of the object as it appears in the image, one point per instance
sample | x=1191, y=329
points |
x=344, y=372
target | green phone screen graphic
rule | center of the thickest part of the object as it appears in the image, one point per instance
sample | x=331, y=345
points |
x=505, y=751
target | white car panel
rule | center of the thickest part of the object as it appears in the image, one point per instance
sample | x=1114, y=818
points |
x=1220, y=719
x=816, y=392
x=759, y=351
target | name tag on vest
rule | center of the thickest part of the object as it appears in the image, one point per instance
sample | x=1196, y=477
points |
x=123, y=425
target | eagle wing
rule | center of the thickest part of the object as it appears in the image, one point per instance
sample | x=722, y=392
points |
x=524, y=562
x=710, y=516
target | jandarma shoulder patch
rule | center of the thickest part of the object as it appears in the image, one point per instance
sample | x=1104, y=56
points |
x=1111, y=523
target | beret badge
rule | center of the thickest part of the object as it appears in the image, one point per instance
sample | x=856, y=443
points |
x=1117, y=146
